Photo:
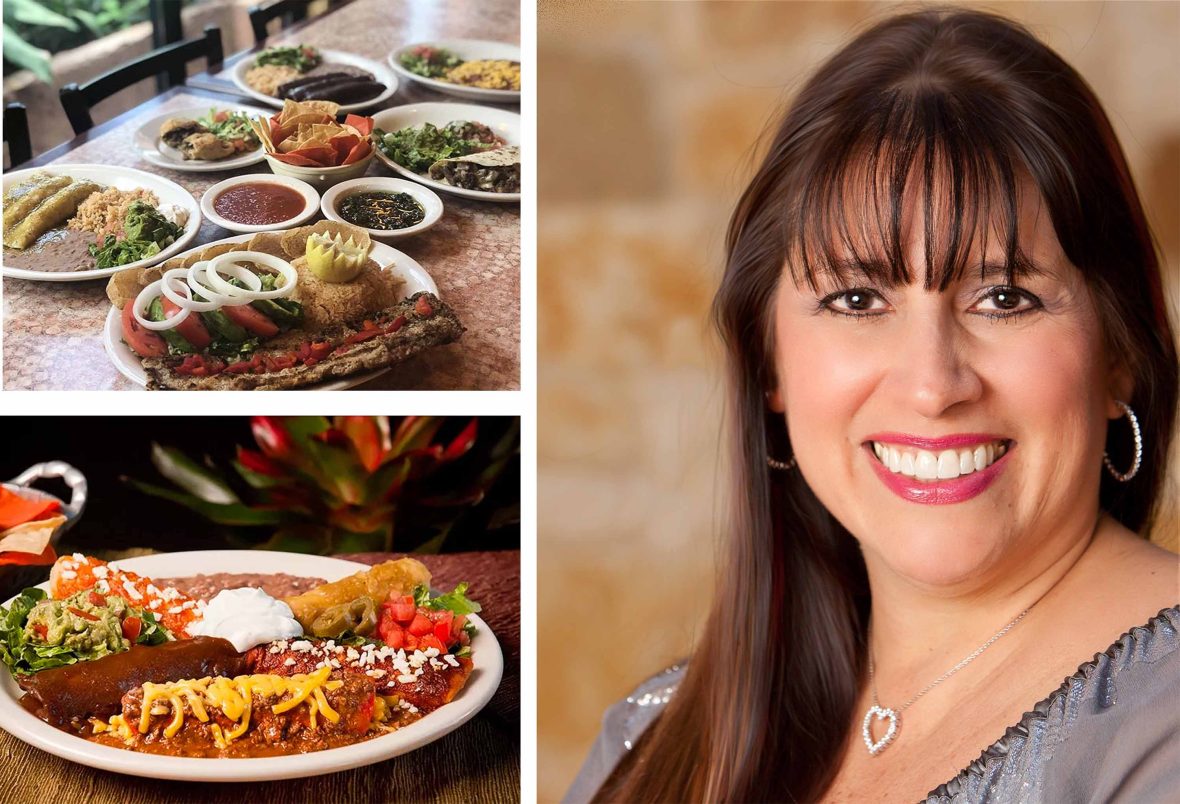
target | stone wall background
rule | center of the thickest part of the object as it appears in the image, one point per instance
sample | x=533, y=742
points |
x=648, y=113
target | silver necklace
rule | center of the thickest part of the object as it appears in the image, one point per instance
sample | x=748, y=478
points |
x=894, y=715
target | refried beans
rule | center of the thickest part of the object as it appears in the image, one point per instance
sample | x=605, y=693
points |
x=277, y=585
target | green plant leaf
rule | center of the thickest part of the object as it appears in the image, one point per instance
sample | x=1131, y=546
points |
x=301, y=538
x=90, y=20
x=22, y=54
x=257, y=480
x=33, y=13
x=414, y=432
x=434, y=543
x=350, y=542
x=233, y=514
x=191, y=476
x=386, y=483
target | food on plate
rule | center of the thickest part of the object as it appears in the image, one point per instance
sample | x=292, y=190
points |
x=104, y=227
x=392, y=577
x=259, y=203
x=218, y=135
x=53, y=211
x=27, y=525
x=418, y=147
x=495, y=171
x=444, y=65
x=247, y=679
x=307, y=134
x=299, y=73
x=487, y=74
x=78, y=573
x=37, y=633
x=69, y=696
x=378, y=209
x=257, y=315
x=275, y=584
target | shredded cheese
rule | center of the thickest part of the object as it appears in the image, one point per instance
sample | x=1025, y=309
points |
x=234, y=697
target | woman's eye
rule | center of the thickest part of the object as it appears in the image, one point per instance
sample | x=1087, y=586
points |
x=857, y=301
x=1005, y=301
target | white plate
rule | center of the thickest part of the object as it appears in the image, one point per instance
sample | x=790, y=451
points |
x=432, y=205
x=468, y=50
x=380, y=73
x=489, y=667
x=503, y=122
x=415, y=276
x=152, y=148
x=121, y=178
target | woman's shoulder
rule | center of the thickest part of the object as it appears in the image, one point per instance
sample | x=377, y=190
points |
x=622, y=726
x=1106, y=733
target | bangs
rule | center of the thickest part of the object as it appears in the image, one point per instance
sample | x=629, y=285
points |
x=918, y=163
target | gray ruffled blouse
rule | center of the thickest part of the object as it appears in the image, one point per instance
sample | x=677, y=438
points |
x=1110, y=732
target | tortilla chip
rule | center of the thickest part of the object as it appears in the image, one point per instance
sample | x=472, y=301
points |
x=364, y=125
x=31, y=537
x=360, y=151
x=209, y=252
x=47, y=556
x=298, y=159
x=268, y=243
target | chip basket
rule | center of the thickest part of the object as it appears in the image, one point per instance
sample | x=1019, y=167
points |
x=15, y=578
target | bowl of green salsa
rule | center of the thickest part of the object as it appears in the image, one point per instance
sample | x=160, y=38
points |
x=384, y=207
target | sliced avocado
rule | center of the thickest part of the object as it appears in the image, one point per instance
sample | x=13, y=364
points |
x=221, y=328
x=281, y=311
x=177, y=343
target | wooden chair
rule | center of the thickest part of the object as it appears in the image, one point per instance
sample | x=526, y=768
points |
x=291, y=11
x=16, y=134
x=170, y=59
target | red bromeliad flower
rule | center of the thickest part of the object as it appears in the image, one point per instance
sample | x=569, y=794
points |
x=346, y=483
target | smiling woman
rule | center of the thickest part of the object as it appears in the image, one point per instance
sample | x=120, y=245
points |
x=953, y=388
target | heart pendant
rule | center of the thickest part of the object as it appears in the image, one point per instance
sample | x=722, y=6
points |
x=891, y=732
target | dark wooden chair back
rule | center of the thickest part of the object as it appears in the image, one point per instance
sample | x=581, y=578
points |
x=16, y=134
x=171, y=59
x=291, y=11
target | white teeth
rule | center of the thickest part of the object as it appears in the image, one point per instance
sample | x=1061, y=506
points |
x=945, y=465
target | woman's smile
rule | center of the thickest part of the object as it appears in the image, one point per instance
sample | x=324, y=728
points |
x=937, y=471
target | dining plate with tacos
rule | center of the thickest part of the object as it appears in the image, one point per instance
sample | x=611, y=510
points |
x=201, y=139
x=316, y=306
x=69, y=223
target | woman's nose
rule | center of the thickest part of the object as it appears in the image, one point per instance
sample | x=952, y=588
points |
x=932, y=368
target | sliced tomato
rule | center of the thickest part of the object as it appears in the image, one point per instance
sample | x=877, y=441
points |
x=85, y=615
x=421, y=625
x=131, y=628
x=192, y=329
x=143, y=342
x=397, y=324
x=255, y=322
x=97, y=599
x=431, y=641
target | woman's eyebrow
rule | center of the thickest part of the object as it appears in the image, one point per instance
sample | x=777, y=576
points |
x=886, y=274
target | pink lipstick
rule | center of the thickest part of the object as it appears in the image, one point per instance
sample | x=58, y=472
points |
x=937, y=492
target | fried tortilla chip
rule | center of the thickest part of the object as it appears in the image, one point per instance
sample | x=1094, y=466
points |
x=268, y=243
x=31, y=537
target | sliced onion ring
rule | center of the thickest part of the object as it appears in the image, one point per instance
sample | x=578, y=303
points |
x=230, y=260
x=232, y=295
x=144, y=299
x=176, y=278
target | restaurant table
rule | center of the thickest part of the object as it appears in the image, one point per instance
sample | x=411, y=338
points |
x=478, y=762
x=53, y=331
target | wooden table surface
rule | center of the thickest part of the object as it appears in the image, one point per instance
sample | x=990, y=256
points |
x=478, y=762
x=53, y=331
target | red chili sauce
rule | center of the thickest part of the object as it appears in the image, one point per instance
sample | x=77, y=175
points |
x=258, y=203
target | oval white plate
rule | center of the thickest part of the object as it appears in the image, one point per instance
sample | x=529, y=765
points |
x=380, y=73
x=311, y=203
x=432, y=205
x=415, y=276
x=152, y=148
x=505, y=123
x=121, y=178
x=468, y=50
x=489, y=667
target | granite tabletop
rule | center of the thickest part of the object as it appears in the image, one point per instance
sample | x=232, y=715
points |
x=53, y=331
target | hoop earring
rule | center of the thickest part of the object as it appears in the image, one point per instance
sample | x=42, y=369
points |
x=1138, y=434
x=782, y=466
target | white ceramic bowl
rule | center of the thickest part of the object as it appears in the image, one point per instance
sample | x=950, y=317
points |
x=429, y=200
x=311, y=202
x=320, y=178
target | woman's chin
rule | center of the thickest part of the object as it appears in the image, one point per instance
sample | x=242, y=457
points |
x=938, y=557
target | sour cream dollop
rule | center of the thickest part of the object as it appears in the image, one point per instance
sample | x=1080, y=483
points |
x=247, y=617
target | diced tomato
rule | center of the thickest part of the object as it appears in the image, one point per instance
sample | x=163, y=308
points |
x=285, y=361
x=221, y=116
x=397, y=324
x=97, y=599
x=321, y=349
x=131, y=628
x=192, y=329
x=255, y=322
x=241, y=367
x=143, y=342
x=404, y=612
x=443, y=632
x=421, y=625
x=364, y=335
x=394, y=636
x=431, y=641
x=422, y=307
x=200, y=366
x=41, y=630
x=411, y=641
x=85, y=615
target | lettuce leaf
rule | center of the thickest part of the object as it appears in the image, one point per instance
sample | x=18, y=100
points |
x=456, y=600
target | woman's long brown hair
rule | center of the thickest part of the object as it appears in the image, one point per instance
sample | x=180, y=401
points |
x=972, y=105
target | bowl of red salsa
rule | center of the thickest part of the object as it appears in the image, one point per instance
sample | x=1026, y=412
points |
x=260, y=203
